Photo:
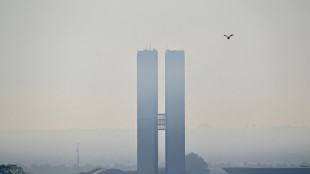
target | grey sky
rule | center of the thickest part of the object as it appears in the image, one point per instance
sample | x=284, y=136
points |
x=72, y=64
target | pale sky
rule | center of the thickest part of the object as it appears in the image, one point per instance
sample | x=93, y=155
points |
x=68, y=64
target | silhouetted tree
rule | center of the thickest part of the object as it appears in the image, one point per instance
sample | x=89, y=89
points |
x=195, y=164
x=11, y=169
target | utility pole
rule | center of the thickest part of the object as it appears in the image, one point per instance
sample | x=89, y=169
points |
x=78, y=158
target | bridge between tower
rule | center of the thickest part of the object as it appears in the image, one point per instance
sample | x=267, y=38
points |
x=161, y=121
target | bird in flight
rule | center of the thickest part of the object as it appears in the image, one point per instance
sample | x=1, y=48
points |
x=228, y=37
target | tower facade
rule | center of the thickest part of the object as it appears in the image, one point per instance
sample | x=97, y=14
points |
x=147, y=109
x=150, y=122
x=175, y=112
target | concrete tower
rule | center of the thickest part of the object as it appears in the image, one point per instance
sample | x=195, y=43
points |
x=147, y=109
x=149, y=121
x=175, y=112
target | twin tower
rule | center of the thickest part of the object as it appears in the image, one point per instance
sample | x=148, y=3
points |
x=150, y=122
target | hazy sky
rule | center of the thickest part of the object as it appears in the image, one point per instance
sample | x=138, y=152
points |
x=72, y=64
x=109, y=146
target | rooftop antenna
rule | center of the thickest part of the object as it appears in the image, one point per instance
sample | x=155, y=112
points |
x=78, y=157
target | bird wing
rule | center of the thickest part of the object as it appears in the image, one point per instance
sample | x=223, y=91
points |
x=225, y=35
x=231, y=35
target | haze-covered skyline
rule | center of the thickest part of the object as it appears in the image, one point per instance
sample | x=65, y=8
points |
x=72, y=64
x=107, y=147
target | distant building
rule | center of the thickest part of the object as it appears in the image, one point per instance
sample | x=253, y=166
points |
x=147, y=109
x=241, y=170
x=149, y=121
x=175, y=112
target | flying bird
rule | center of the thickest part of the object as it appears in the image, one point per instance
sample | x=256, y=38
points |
x=228, y=37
